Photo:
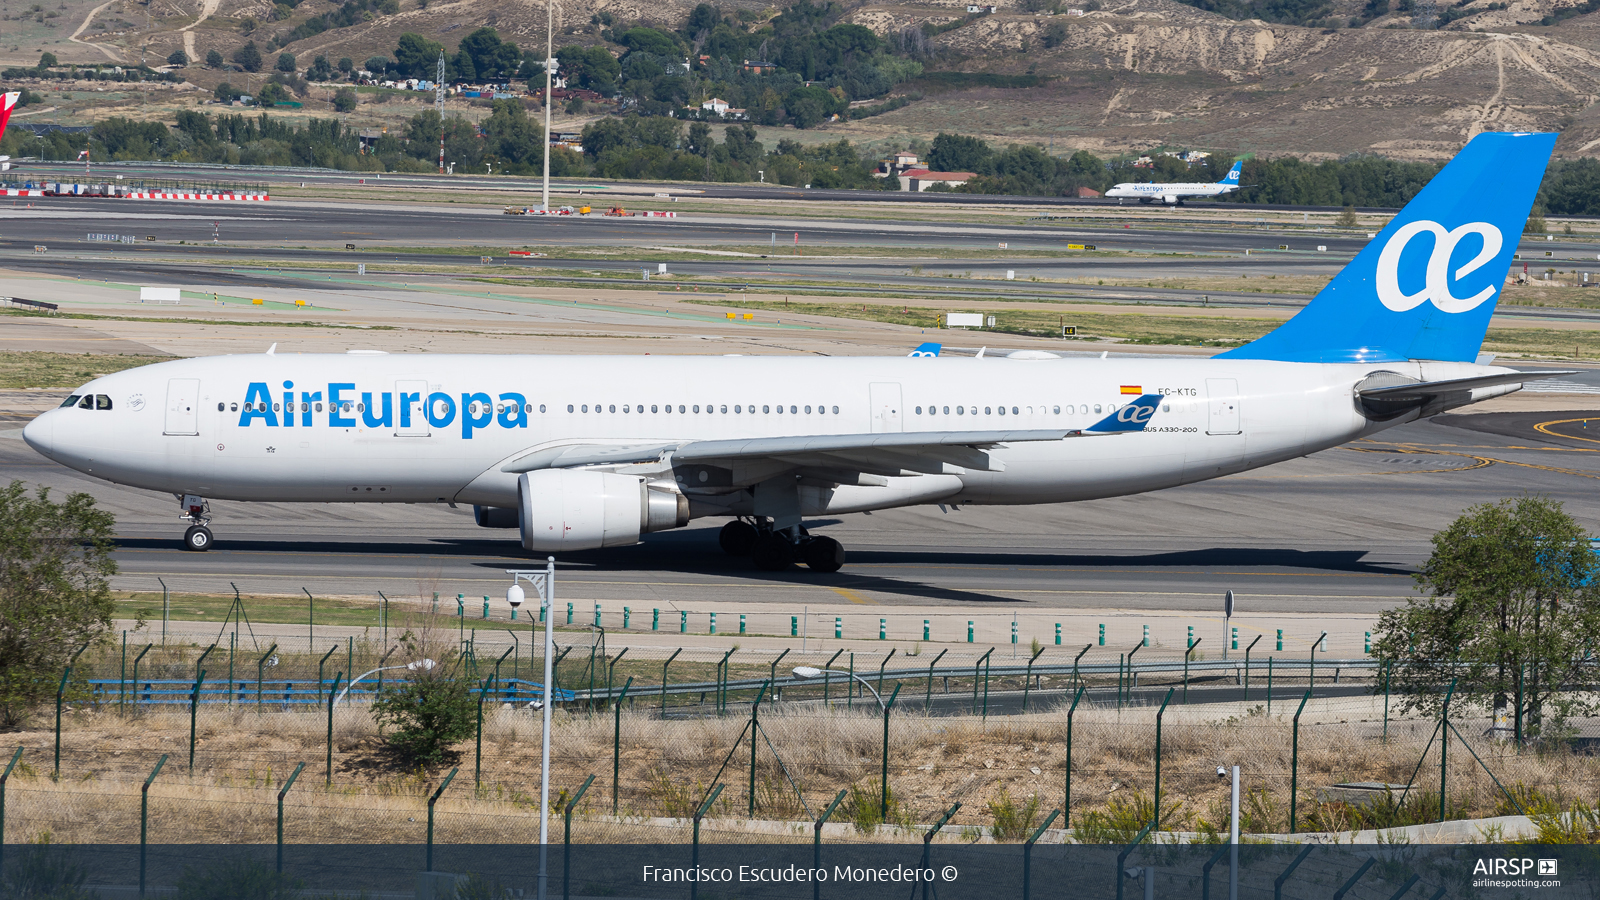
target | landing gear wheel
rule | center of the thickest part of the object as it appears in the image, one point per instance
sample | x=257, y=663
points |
x=773, y=553
x=198, y=538
x=823, y=554
x=738, y=538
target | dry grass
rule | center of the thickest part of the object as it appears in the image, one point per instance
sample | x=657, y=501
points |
x=666, y=767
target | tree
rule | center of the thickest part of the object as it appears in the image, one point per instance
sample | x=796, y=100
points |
x=1510, y=612
x=214, y=59
x=286, y=63
x=344, y=100
x=55, y=562
x=377, y=65
x=248, y=57
x=346, y=65
x=429, y=711
x=700, y=142
x=483, y=53
x=225, y=93
x=47, y=59
x=808, y=106
x=178, y=58
x=958, y=153
x=416, y=57
x=1055, y=34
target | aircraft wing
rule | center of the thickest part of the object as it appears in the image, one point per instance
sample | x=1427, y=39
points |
x=1422, y=389
x=882, y=454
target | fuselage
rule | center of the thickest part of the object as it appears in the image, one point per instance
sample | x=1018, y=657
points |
x=1170, y=192
x=413, y=428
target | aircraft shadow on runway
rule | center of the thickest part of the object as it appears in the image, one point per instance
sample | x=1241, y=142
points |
x=696, y=553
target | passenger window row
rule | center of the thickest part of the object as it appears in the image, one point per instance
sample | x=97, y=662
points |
x=738, y=408
x=1001, y=410
x=87, y=401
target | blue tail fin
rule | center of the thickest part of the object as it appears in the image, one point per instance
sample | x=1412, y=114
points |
x=1426, y=286
x=928, y=349
x=1232, y=178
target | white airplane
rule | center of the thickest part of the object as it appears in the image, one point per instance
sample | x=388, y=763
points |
x=1175, y=193
x=583, y=452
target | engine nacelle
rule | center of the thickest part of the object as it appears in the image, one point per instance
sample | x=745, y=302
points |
x=495, y=517
x=574, y=509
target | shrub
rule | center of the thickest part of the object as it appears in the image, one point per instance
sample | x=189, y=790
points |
x=178, y=58
x=429, y=712
x=214, y=59
x=344, y=100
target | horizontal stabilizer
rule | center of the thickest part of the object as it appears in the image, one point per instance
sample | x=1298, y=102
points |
x=1420, y=389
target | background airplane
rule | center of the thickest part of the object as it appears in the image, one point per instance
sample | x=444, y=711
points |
x=1175, y=193
x=581, y=452
x=8, y=102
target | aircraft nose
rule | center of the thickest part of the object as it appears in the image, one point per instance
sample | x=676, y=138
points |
x=40, y=433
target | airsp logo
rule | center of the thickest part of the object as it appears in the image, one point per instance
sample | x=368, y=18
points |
x=1437, y=276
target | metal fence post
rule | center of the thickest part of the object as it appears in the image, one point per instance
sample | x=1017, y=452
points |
x=1193, y=643
x=1312, y=681
x=1277, y=883
x=664, y=679
x=136, y=661
x=566, y=838
x=60, y=692
x=320, y=663
x=1027, y=854
x=816, y=842
x=477, y=754
x=755, y=726
x=282, y=792
x=1086, y=648
x=1444, y=744
x=1269, y=686
x=826, y=674
x=716, y=791
x=1027, y=682
x=927, y=701
x=884, y=814
x=1294, y=767
x=194, y=706
x=144, y=817
x=433, y=799
x=1247, y=666
x=1066, y=806
x=927, y=841
x=3, y=778
x=260, y=667
x=616, y=744
x=772, y=674
x=976, y=668
x=311, y=621
x=1388, y=670
x=1123, y=856
x=1159, y=713
x=336, y=679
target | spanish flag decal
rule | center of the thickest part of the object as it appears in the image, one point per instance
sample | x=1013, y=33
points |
x=1132, y=389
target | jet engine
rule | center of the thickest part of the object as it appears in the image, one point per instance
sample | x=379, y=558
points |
x=576, y=509
x=494, y=517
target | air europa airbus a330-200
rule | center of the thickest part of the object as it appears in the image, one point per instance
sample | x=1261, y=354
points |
x=584, y=452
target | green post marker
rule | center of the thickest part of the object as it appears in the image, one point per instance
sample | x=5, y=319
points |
x=597, y=615
x=925, y=629
x=1102, y=635
x=434, y=798
x=1013, y=631
x=569, y=613
x=741, y=623
x=838, y=627
x=1233, y=640
x=1366, y=644
x=794, y=626
x=627, y=617
x=1146, y=641
x=969, y=631
x=1058, y=634
x=683, y=621
x=883, y=629
x=713, y=623
x=1280, y=640
x=655, y=619
x=281, y=794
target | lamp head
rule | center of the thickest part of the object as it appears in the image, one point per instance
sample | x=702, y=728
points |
x=806, y=672
x=515, y=595
x=421, y=665
x=1222, y=772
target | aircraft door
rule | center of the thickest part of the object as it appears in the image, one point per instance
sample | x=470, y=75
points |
x=183, y=406
x=1223, y=394
x=885, y=401
x=411, y=409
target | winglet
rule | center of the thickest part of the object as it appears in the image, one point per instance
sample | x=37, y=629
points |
x=1133, y=417
x=273, y=350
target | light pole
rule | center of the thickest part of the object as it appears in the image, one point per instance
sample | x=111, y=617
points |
x=809, y=672
x=1233, y=835
x=549, y=75
x=545, y=584
x=421, y=665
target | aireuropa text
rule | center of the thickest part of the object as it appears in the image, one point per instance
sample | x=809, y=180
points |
x=755, y=874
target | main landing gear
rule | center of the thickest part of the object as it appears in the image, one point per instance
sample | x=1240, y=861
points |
x=774, y=550
x=197, y=511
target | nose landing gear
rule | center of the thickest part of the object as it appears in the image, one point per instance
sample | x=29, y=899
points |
x=774, y=550
x=197, y=511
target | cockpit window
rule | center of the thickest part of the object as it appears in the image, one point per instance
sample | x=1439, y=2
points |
x=87, y=402
x=70, y=401
x=101, y=401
